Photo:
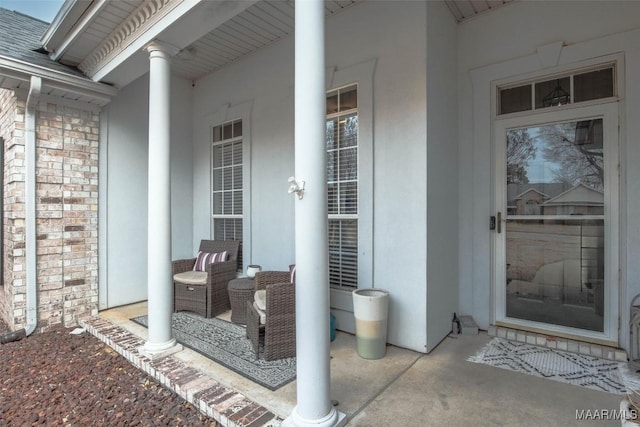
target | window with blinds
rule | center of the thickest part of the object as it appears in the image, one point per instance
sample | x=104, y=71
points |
x=342, y=185
x=226, y=200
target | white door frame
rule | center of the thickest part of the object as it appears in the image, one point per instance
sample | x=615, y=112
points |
x=609, y=113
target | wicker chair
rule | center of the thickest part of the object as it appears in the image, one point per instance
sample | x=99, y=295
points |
x=206, y=297
x=279, y=326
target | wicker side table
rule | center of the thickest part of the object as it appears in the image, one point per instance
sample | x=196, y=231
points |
x=240, y=291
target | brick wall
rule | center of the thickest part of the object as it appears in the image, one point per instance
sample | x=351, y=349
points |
x=12, y=129
x=66, y=216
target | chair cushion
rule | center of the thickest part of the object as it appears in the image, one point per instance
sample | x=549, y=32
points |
x=260, y=299
x=191, y=277
x=261, y=313
x=205, y=258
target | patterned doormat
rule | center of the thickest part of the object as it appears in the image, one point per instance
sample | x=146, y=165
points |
x=227, y=344
x=577, y=369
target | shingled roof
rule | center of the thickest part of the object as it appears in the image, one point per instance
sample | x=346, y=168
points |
x=20, y=39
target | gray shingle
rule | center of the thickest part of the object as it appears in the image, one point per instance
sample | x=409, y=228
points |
x=20, y=39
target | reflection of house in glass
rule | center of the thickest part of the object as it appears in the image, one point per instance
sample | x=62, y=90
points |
x=579, y=200
x=528, y=202
x=554, y=199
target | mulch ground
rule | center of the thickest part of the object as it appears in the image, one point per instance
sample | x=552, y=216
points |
x=59, y=379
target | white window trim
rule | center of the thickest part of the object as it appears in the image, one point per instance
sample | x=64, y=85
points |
x=343, y=216
x=226, y=142
x=566, y=70
x=226, y=113
x=362, y=75
x=571, y=73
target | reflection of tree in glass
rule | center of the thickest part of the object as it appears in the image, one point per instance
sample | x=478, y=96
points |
x=350, y=128
x=520, y=149
x=348, y=159
x=576, y=147
x=342, y=164
x=331, y=139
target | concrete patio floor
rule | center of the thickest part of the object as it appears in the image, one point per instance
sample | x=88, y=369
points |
x=406, y=388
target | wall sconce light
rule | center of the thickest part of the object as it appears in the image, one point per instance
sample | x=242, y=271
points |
x=295, y=187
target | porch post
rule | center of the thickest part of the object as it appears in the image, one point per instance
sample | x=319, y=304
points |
x=160, y=341
x=313, y=406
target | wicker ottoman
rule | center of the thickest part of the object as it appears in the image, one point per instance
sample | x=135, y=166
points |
x=240, y=291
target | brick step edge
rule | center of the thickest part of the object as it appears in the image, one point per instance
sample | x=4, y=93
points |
x=225, y=405
x=563, y=344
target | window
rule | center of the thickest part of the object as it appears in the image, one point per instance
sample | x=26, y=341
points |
x=227, y=191
x=342, y=185
x=596, y=83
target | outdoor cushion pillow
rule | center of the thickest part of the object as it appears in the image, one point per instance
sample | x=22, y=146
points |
x=260, y=299
x=191, y=278
x=261, y=313
x=206, y=258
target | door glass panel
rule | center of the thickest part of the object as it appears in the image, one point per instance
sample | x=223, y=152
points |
x=555, y=224
x=555, y=272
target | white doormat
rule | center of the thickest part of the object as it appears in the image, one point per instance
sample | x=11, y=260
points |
x=577, y=369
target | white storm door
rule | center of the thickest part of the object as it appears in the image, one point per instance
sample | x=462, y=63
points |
x=556, y=235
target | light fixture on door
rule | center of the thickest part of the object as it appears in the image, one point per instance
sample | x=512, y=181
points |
x=557, y=96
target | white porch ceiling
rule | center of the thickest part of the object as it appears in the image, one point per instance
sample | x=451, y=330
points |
x=256, y=27
x=465, y=9
x=260, y=25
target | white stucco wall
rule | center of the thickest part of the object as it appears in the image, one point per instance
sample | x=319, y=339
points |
x=258, y=89
x=504, y=44
x=395, y=39
x=123, y=189
x=442, y=173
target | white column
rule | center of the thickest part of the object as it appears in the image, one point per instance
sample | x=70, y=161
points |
x=160, y=283
x=313, y=406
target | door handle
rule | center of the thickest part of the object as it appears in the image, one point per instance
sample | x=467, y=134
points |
x=499, y=223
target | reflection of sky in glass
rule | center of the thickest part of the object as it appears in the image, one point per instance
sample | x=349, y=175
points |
x=540, y=169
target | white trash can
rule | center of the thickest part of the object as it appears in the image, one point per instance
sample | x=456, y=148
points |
x=371, y=309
